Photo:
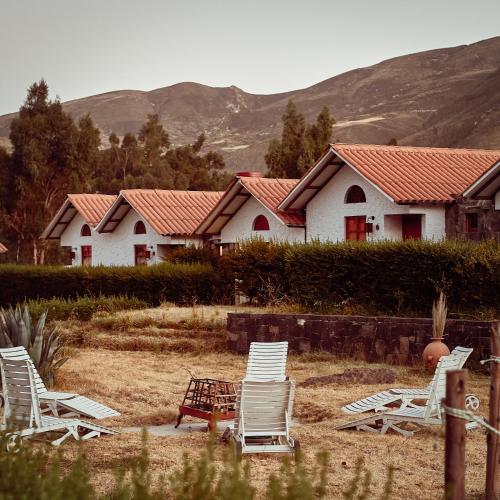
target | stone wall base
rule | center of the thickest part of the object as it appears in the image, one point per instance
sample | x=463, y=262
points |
x=375, y=339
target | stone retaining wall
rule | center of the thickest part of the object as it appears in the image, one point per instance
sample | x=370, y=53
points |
x=375, y=339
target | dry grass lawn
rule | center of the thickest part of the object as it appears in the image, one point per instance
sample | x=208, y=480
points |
x=146, y=387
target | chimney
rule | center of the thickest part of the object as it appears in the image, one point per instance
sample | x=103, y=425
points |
x=249, y=174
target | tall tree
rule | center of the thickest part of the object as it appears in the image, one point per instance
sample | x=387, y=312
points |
x=300, y=144
x=154, y=140
x=319, y=134
x=44, y=142
x=87, y=151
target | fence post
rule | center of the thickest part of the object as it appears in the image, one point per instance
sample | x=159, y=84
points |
x=493, y=453
x=454, y=467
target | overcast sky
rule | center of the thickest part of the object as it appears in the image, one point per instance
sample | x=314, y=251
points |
x=85, y=47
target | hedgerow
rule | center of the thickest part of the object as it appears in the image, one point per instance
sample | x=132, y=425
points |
x=178, y=283
x=380, y=278
x=388, y=277
x=83, y=308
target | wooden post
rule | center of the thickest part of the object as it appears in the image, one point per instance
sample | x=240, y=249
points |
x=454, y=472
x=493, y=453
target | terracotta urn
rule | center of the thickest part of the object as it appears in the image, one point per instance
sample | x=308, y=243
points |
x=433, y=351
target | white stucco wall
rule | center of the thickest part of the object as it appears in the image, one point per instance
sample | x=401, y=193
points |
x=326, y=212
x=497, y=200
x=117, y=248
x=239, y=228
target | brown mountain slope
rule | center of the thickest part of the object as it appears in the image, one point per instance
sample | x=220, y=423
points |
x=444, y=97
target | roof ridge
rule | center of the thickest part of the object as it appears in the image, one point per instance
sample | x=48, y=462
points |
x=414, y=148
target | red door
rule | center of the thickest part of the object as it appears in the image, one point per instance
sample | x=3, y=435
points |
x=412, y=227
x=355, y=228
x=141, y=255
x=86, y=255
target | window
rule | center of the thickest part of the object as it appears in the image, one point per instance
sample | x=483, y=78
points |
x=355, y=228
x=141, y=255
x=139, y=228
x=355, y=195
x=85, y=231
x=412, y=227
x=260, y=223
x=86, y=255
x=472, y=222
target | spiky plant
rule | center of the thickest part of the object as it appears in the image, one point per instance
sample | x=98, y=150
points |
x=44, y=346
x=439, y=313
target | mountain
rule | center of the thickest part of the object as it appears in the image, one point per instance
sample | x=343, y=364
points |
x=446, y=97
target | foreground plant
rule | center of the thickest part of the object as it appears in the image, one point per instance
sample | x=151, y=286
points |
x=17, y=329
x=37, y=474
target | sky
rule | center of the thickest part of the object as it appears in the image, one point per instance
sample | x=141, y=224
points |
x=86, y=47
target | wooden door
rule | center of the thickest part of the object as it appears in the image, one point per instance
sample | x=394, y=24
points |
x=141, y=255
x=412, y=227
x=355, y=228
x=86, y=255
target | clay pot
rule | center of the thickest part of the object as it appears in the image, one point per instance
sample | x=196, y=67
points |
x=433, y=351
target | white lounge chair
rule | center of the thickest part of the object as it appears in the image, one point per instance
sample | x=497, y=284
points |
x=22, y=414
x=267, y=362
x=262, y=417
x=380, y=400
x=416, y=415
x=60, y=404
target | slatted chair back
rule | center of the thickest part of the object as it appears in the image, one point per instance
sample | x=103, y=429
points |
x=20, y=353
x=22, y=408
x=464, y=352
x=264, y=408
x=438, y=383
x=267, y=362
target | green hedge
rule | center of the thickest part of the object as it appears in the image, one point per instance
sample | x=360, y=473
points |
x=388, y=277
x=82, y=308
x=178, y=283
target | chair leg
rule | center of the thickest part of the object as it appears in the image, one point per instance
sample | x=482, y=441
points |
x=71, y=432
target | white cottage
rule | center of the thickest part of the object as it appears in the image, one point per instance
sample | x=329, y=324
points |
x=372, y=192
x=248, y=209
x=75, y=222
x=139, y=226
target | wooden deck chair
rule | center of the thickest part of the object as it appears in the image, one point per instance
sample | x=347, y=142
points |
x=262, y=418
x=415, y=415
x=22, y=416
x=267, y=362
x=381, y=400
x=60, y=404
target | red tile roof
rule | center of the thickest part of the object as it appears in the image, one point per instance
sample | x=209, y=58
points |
x=91, y=207
x=405, y=174
x=167, y=212
x=3, y=248
x=269, y=192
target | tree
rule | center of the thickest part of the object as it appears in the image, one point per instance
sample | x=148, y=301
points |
x=44, y=140
x=320, y=133
x=154, y=140
x=87, y=151
x=300, y=144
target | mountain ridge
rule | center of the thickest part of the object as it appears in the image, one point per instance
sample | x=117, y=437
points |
x=442, y=97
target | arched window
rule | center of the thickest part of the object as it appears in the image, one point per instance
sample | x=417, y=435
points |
x=260, y=223
x=85, y=231
x=355, y=195
x=139, y=227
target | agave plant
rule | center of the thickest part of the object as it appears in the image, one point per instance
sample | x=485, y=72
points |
x=17, y=329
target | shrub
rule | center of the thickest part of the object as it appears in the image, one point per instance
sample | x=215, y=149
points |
x=389, y=277
x=37, y=474
x=83, y=308
x=18, y=329
x=190, y=255
x=178, y=283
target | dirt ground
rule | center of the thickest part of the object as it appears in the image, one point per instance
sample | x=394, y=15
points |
x=147, y=387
